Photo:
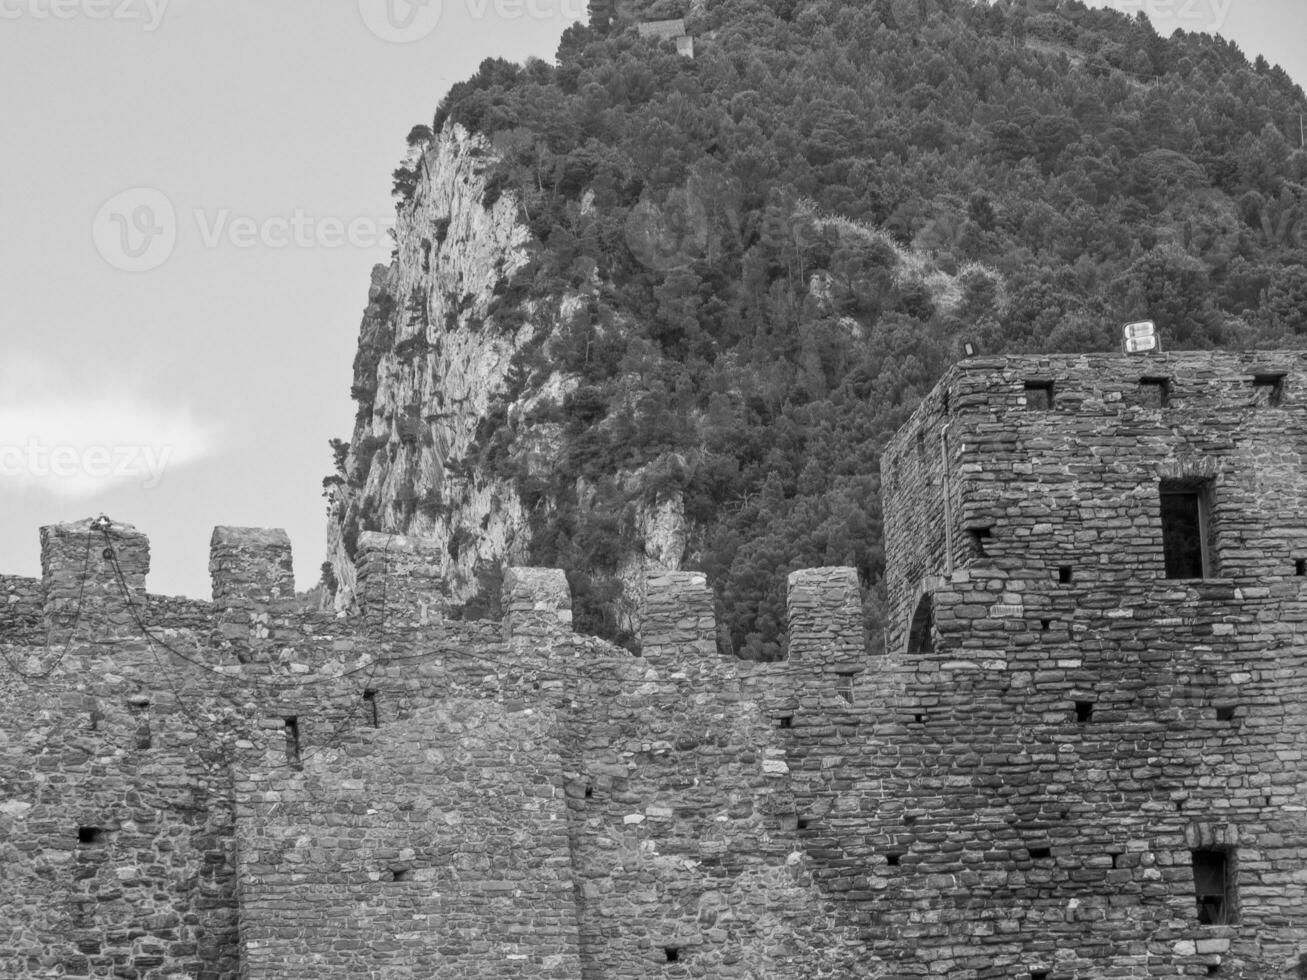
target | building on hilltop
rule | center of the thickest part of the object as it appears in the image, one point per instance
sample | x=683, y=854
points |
x=1080, y=756
x=669, y=30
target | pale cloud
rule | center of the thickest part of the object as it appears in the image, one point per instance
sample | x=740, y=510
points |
x=64, y=437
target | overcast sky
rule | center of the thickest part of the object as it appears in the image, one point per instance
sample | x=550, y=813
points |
x=192, y=195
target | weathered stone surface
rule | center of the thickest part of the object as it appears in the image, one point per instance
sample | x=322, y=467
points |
x=266, y=793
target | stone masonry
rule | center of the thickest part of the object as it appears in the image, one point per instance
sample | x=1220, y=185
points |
x=1071, y=762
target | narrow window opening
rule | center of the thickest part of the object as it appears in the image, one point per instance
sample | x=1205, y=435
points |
x=1186, y=529
x=401, y=874
x=1039, y=396
x=785, y=721
x=803, y=823
x=1084, y=712
x=979, y=535
x=921, y=446
x=892, y=858
x=1155, y=392
x=1268, y=389
x=1225, y=712
x=1116, y=861
x=589, y=792
x=1064, y=574
x=370, y=707
x=92, y=835
x=672, y=953
x=141, y=711
x=1179, y=806
x=97, y=716
x=1300, y=566
x=920, y=632
x=1039, y=853
x=1214, y=887
x=292, y=726
x=846, y=687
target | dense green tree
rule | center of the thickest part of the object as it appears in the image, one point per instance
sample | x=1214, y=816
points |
x=781, y=243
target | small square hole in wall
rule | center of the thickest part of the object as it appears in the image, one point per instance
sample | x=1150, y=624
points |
x=92, y=835
x=1064, y=574
x=1084, y=712
x=892, y=858
x=673, y=954
x=401, y=874
x=1213, y=969
x=1268, y=389
x=1039, y=853
x=785, y=721
x=1039, y=396
x=979, y=537
x=1045, y=625
x=1225, y=712
x=1154, y=392
x=803, y=823
x=1038, y=975
x=919, y=718
x=589, y=792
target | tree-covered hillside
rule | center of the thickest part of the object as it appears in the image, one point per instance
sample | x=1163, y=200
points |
x=782, y=242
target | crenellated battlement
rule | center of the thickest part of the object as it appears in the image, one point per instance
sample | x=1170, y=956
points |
x=399, y=589
x=351, y=772
x=251, y=567
x=90, y=571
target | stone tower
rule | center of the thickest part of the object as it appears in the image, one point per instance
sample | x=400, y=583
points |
x=1097, y=574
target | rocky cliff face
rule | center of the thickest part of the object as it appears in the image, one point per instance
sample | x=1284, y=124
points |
x=439, y=378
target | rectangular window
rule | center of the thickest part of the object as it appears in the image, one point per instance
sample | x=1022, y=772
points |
x=1039, y=396
x=1214, y=887
x=370, y=707
x=292, y=727
x=1154, y=392
x=1268, y=389
x=1186, y=529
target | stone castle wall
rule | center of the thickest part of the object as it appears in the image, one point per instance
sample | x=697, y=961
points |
x=245, y=789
